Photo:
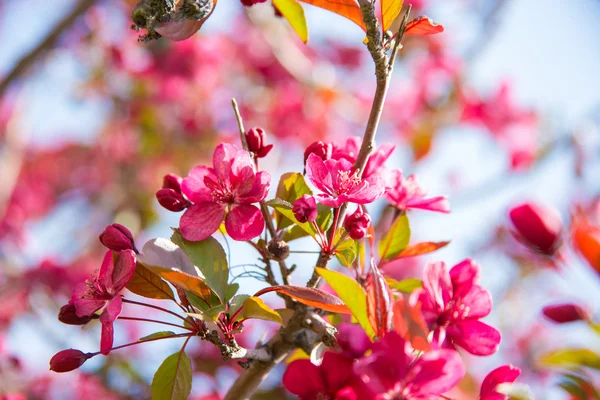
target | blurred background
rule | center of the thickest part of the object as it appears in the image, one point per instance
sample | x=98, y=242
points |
x=499, y=109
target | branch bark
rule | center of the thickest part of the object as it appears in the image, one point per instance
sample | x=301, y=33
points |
x=21, y=67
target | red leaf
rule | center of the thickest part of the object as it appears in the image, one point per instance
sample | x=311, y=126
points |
x=422, y=26
x=410, y=324
x=421, y=248
x=379, y=302
x=311, y=297
x=346, y=8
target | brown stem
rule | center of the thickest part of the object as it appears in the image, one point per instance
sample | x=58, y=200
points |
x=47, y=43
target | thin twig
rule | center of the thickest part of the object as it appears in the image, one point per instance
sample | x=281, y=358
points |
x=21, y=67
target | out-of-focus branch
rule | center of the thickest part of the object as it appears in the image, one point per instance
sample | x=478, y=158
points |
x=21, y=67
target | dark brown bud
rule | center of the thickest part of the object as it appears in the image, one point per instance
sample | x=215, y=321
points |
x=278, y=250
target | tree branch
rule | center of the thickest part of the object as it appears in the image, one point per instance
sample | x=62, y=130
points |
x=47, y=43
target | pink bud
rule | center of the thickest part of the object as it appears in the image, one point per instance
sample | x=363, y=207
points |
x=564, y=313
x=256, y=138
x=68, y=360
x=67, y=315
x=172, y=181
x=171, y=200
x=305, y=209
x=249, y=3
x=116, y=237
x=357, y=224
x=537, y=227
x=320, y=149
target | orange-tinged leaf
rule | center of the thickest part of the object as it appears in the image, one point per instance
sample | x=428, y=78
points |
x=147, y=284
x=346, y=8
x=410, y=324
x=186, y=281
x=293, y=12
x=586, y=241
x=390, y=9
x=423, y=26
x=311, y=297
x=379, y=302
x=256, y=308
x=421, y=248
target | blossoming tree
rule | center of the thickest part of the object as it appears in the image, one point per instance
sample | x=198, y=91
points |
x=354, y=330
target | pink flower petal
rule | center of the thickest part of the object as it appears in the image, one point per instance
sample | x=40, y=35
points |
x=108, y=316
x=223, y=158
x=436, y=372
x=242, y=172
x=371, y=189
x=475, y=337
x=503, y=374
x=436, y=281
x=201, y=220
x=244, y=222
x=302, y=378
x=259, y=190
x=337, y=369
x=194, y=187
x=465, y=273
x=84, y=305
x=478, y=300
x=318, y=173
x=106, y=269
x=329, y=201
x=123, y=271
x=438, y=203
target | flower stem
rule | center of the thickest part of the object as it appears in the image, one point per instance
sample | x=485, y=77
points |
x=155, y=321
x=155, y=307
x=188, y=335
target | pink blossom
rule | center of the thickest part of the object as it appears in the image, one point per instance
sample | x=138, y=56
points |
x=351, y=149
x=357, y=224
x=503, y=374
x=170, y=196
x=331, y=380
x=538, y=227
x=225, y=192
x=117, y=237
x=256, y=139
x=305, y=209
x=352, y=340
x=340, y=183
x=404, y=193
x=452, y=304
x=116, y=271
x=319, y=148
x=392, y=371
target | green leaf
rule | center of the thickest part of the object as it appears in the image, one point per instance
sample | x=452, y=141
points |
x=346, y=252
x=173, y=379
x=291, y=187
x=571, y=359
x=324, y=221
x=232, y=289
x=579, y=387
x=235, y=304
x=405, y=285
x=352, y=294
x=196, y=301
x=254, y=307
x=212, y=314
x=210, y=258
x=294, y=13
x=156, y=335
x=396, y=239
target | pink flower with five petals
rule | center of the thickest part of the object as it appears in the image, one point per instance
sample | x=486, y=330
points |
x=225, y=192
x=340, y=183
x=452, y=304
x=88, y=297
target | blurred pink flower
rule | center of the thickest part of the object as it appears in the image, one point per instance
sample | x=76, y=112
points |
x=538, y=227
x=331, y=380
x=231, y=185
x=351, y=149
x=565, y=313
x=404, y=193
x=452, y=304
x=393, y=371
x=104, y=291
x=340, y=183
x=503, y=374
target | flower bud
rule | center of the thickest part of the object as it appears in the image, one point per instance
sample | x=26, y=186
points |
x=564, y=313
x=537, y=227
x=68, y=360
x=116, y=237
x=320, y=149
x=357, y=224
x=172, y=181
x=278, y=250
x=67, y=315
x=249, y=3
x=171, y=200
x=305, y=209
x=256, y=138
